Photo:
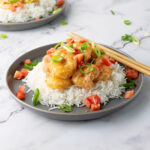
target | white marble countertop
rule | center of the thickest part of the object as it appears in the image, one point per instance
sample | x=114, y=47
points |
x=127, y=129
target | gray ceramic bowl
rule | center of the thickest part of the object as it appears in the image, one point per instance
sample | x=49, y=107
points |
x=78, y=113
x=31, y=24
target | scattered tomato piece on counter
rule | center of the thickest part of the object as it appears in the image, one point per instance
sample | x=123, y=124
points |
x=18, y=75
x=27, y=61
x=24, y=72
x=131, y=73
x=129, y=94
x=60, y=2
x=105, y=60
x=21, y=94
x=93, y=102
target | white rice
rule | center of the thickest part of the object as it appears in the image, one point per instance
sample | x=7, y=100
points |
x=74, y=95
x=29, y=12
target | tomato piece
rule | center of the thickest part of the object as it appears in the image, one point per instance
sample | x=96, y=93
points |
x=105, y=60
x=82, y=41
x=21, y=94
x=129, y=94
x=50, y=51
x=131, y=73
x=95, y=99
x=20, y=4
x=12, y=8
x=24, y=72
x=69, y=41
x=37, y=19
x=87, y=103
x=60, y=2
x=27, y=61
x=112, y=61
x=77, y=52
x=95, y=107
x=18, y=75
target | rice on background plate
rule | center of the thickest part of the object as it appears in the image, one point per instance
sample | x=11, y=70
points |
x=75, y=95
x=29, y=12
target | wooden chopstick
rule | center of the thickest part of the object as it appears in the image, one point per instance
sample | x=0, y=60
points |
x=119, y=57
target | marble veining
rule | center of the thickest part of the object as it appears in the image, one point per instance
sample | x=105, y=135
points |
x=128, y=129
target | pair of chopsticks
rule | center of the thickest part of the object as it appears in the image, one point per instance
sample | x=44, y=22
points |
x=118, y=56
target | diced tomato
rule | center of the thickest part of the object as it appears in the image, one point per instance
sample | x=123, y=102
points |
x=82, y=41
x=93, y=102
x=50, y=51
x=77, y=52
x=24, y=72
x=95, y=107
x=105, y=60
x=18, y=75
x=87, y=103
x=95, y=99
x=69, y=41
x=27, y=61
x=129, y=94
x=37, y=19
x=12, y=8
x=60, y=2
x=112, y=61
x=131, y=73
x=20, y=4
x=81, y=63
x=21, y=94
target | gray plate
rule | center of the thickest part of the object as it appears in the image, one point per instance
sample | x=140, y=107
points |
x=31, y=24
x=78, y=113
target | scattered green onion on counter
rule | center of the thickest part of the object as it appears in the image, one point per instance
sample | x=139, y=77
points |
x=63, y=23
x=127, y=22
x=112, y=12
x=3, y=36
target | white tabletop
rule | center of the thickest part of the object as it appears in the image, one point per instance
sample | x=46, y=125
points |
x=127, y=129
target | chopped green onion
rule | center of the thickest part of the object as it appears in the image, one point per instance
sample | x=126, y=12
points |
x=93, y=60
x=96, y=50
x=102, y=53
x=88, y=66
x=135, y=40
x=65, y=108
x=126, y=37
x=71, y=45
x=34, y=63
x=29, y=1
x=112, y=12
x=63, y=23
x=57, y=58
x=69, y=49
x=26, y=66
x=127, y=85
x=56, y=11
x=36, y=97
x=13, y=1
x=3, y=36
x=56, y=46
x=127, y=22
x=85, y=45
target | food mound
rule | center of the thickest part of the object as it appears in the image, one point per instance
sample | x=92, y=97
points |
x=77, y=63
x=27, y=10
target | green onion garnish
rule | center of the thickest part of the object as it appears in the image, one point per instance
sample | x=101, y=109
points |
x=85, y=45
x=56, y=11
x=63, y=23
x=29, y=1
x=65, y=108
x=127, y=22
x=93, y=60
x=88, y=66
x=13, y=1
x=36, y=97
x=127, y=85
x=26, y=66
x=135, y=40
x=112, y=12
x=3, y=36
x=56, y=46
x=57, y=58
x=69, y=49
x=71, y=45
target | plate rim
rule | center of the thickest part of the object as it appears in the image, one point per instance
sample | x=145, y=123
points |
x=70, y=114
x=33, y=21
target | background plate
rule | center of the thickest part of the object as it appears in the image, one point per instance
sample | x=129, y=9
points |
x=78, y=113
x=31, y=24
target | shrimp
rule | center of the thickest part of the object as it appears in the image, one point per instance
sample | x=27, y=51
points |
x=105, y=71
x=86, y=80
x=57, y=83
x=64, y=69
